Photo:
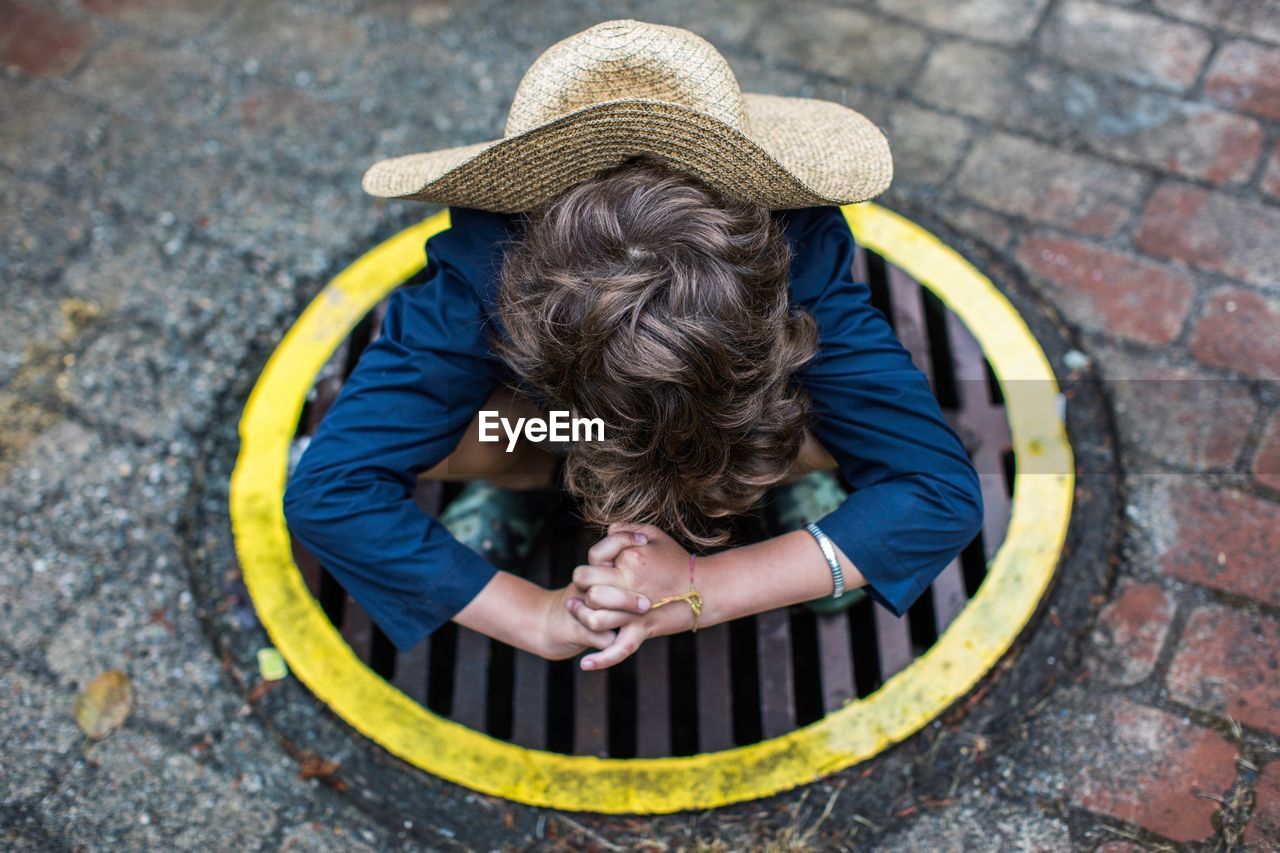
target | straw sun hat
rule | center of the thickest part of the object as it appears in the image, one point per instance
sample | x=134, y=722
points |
x=626, y=87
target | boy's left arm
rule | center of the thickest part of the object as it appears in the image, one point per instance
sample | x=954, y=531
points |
x=916, y=503
x=917, y=499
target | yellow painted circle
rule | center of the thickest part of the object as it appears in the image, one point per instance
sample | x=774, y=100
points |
x=1017, y=578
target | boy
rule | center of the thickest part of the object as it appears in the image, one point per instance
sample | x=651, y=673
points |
x=680, y=272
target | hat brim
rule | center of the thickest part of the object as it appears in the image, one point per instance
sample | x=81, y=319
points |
x=801, y=152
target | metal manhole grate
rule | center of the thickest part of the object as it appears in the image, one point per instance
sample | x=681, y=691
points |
x=726, y=686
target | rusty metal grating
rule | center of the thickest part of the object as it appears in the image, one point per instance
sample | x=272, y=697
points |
x=726, y=686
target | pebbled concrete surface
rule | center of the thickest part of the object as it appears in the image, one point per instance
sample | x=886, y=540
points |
x=177, y=179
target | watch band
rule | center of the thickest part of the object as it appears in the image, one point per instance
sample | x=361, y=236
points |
x=829, y=551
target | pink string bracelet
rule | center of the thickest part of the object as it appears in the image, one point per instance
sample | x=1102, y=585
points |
x=693, y=598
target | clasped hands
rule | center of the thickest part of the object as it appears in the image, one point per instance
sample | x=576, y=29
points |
x=614, y=593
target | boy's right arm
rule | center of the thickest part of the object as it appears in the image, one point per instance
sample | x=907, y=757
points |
x=403, y=409
x=522, y=614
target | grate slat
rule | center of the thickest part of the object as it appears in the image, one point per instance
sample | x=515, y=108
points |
x=471, y=679
x=777, y=697
x=983, y=425
x=529, y=693
x=326, y=391
x=591, y=689
x=413, y=668
x=715, y=693
x=326, y=388
x=948, y=595
x=413, y=671
x=861, y=271
x=908, y=320
x=836, y=652
x=893, y=640
x=471, y=664
x=429, y=496
x=591, y=712
x=379, y=314
x=906, y=315
x=307, y=563
x=912, y=330
x=357, y=628
x=653, y=687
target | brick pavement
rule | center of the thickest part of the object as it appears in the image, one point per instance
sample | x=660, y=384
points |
x=174, y=176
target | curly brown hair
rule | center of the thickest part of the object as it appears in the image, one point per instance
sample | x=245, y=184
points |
x=648, y=299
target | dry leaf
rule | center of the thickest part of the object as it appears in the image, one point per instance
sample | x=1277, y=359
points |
x=104, y=704
x=262, y=688
x=315, y=767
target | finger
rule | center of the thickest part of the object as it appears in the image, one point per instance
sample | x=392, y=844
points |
x=608, y=597
x=624, y=646
x=596, y=638
x=603, y=552
x=629, y=560
x=647, y=530
x=585, y=577
x=600, y=620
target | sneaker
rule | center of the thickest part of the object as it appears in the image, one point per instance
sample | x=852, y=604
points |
x=501, y=525
x=793, y=505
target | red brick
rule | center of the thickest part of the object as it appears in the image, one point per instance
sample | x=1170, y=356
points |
x=1237, y=330
x=1101, y=37
x=1264, y=827
x=1006, y=21
x=1213, y=232
x=1228, y=663
x=1219, y=147
x=39, y=42
x=171, y=21
x=993, y=228
x=1162, y=414
x=845, y=44
x=1183, y=138
x=1271, y=177
x=1246, y=76
x=1266, y=464
x=1254, y=18
x=111, y=7
x=987, y=83
x=1155, y=766
x=1131, y=632
x=1227, y=540
x=928, y=144
x=1120, y=121
x=1111, y=292
x=1024, y=178
x=273, y=109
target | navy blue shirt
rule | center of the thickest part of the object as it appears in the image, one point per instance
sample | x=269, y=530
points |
x=915, y=503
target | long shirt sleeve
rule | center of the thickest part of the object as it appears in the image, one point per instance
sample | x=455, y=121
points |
x=916, y=500
x=404, y=408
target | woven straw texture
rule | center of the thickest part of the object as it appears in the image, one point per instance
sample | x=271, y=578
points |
x=626, y=87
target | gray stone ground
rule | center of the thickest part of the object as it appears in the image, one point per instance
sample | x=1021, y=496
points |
x=176, y=179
